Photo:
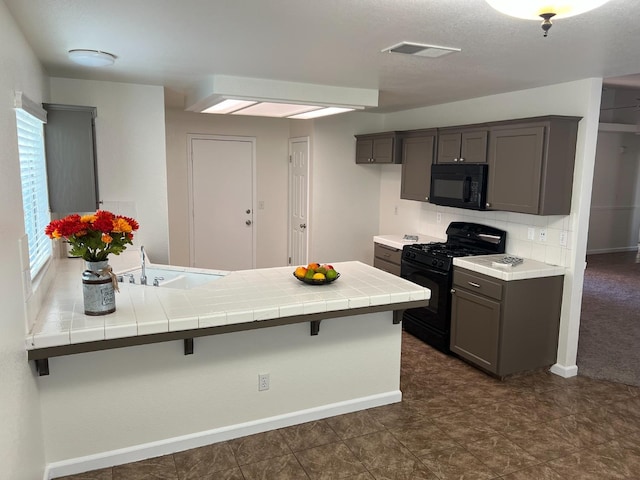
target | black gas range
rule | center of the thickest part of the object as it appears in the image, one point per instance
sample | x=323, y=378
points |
x=431, y=265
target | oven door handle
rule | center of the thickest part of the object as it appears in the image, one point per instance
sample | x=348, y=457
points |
x=418, y=268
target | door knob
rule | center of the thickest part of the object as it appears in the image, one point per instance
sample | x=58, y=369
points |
x=248, y=222
x=248, y=210
x=303, y=225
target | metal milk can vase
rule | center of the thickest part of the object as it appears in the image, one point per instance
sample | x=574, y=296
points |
x=98, y=288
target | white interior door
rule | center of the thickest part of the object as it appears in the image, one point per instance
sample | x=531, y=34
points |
x=222, y=193
x=298, y=200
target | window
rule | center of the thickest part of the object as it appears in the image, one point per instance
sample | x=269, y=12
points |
x=33, y=174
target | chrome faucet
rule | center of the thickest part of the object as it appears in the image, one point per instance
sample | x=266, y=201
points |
x=143, y=274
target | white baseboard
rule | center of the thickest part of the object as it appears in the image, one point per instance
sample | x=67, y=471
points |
x=631, y=248
x=177, y=444
x=564, y=372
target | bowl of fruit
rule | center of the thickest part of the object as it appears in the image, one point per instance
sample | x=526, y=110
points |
x=316, y=274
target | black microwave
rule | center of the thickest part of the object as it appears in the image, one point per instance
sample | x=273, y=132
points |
x=462, y=185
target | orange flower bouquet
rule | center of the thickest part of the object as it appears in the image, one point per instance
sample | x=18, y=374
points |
x=93, y=237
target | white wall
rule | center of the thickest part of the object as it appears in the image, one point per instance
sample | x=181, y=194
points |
x=103, y=401
x=614, y=223
x=580, y=98
x=344, y=196
x=130, y=141
x=272, y=137
x=21, y=443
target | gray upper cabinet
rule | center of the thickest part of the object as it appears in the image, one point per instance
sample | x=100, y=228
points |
x=462, y=145
x=71, y=158
x=531, y=166
x=378, y=148
x=417, y=157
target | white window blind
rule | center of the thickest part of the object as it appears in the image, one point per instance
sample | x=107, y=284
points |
x=35, y=200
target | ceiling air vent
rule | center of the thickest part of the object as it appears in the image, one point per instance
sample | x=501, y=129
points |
x=420, y=50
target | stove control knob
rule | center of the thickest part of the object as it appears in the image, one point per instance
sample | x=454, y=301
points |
x=434, y=263
x=413, y=255
x=441, y=264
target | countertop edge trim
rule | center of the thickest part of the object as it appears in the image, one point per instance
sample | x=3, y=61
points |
x=72, y=349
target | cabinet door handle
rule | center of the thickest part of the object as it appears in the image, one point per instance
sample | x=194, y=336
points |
x=453, y=290
x=473, y=284
x=455, y=159
x=461, y=159
x=488, y=204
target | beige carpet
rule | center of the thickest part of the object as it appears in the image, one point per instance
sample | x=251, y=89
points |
x=609, y=344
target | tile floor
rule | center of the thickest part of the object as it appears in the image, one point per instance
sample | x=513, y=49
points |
x=454, y=423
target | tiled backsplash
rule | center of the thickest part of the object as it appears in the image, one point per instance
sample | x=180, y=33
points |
x=554, y=249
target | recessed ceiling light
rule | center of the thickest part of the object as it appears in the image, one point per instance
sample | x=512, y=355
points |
x=92, y=58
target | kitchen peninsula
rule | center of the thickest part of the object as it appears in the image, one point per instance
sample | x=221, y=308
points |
x=348, y=362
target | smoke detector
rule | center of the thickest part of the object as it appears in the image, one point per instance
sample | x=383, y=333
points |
x=420, y=49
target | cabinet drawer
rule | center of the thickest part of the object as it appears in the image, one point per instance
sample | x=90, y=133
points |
x=388, y=254
x=478, y=284
x=393, y=268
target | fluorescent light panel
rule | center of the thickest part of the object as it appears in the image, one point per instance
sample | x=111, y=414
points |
x=237, y=106
x=323, y=112
x=229, y=105
x=268, y=109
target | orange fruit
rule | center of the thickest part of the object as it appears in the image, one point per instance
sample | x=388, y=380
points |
x=313, y=266
x=300, y=272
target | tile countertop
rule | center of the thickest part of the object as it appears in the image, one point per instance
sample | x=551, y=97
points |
x=237, y=297
x=396, y=241
x=527, y=269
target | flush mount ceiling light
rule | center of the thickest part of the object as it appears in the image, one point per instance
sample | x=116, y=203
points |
x=92, y=58
x=545, y=9
x=223, y=94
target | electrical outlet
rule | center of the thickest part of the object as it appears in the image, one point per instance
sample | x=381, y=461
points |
x=263, y=382
x=439, y=217
x=563, y=238
x=531, y=233
x=542, y=235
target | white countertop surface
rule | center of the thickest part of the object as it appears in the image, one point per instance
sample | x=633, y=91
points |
x=527, y=269
x=396, y=241
x=238, y=297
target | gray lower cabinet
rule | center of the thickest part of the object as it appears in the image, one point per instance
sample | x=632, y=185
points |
x=417, y=157
x=505, y=327
x=531, y=166
x=71, y=158
x=387, y=258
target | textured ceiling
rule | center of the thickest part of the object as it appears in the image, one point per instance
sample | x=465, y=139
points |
x=333, y=42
